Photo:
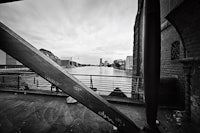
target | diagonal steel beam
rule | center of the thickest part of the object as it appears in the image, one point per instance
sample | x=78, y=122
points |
x=24, y=52
x=5, y=1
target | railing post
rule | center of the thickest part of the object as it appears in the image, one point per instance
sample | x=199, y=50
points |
x=137, y=90
x=37, y=83
x=18, y=82
x=3, y=80
x=34, y=80
x=91, y=83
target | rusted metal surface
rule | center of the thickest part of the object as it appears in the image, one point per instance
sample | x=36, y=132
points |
x=24, y=52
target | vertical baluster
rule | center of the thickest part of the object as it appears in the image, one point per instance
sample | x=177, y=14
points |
x=136, y=89
x=34, y=80
x=3, y=80
x=18, y=82
x=91, y=83
x=37, y=83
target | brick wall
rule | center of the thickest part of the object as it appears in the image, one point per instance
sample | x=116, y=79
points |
x=195, y=94
x=186, y=19
x=170, y=67
x=167, y=6
x=137, y=46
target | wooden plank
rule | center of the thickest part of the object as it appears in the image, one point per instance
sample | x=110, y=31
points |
x=24, y=52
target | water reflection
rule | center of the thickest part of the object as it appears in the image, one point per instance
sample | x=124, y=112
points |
x=94, y=70
x=102, y=78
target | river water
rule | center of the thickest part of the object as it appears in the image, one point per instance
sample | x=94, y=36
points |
x=104, y=79
x=95, y=70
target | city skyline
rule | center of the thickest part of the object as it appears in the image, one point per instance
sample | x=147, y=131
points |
x=84, y=30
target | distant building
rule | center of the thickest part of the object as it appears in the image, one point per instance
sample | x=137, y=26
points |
x=119, y=64
x=101, y=62
x=129, y=63
x=65, y=63
x=105, y=63
x=51, y=56
x=6, y=61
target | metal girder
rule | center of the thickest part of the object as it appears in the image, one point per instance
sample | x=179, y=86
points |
x=152, y=41
x=5, y=1
x=24, y=52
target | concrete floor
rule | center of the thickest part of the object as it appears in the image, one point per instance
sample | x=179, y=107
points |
x=38, y=113
x=35, y=113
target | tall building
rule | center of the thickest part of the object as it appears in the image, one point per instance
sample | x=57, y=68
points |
x=51, y=56
x=101, y=62
x=129, y=63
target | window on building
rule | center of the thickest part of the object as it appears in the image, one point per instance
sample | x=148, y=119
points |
x=175, y=50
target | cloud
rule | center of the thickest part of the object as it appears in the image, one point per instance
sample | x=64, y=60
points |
x=89, y=28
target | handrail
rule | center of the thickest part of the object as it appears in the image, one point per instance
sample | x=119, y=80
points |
x=102, y=85
x=106, y=75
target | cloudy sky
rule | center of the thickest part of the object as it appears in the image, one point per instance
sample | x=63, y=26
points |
x=85, y=30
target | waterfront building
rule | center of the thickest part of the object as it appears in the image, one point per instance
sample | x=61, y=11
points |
x=129, y=63
x=180, y=54
x=106, y=63
x=65, y=63
x=119, y=64
x=6, y=61
x=51, y=56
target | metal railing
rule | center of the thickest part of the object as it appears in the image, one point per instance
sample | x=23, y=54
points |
x=105, y=84
x=130, y=86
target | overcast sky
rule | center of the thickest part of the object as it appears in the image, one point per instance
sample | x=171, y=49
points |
x=85, y=30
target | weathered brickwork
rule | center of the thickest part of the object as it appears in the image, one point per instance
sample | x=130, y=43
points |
x=184, y=27
x=170, y=67
x=137, y=47
x=186, y=20
x=167, y=6
x=195, y=94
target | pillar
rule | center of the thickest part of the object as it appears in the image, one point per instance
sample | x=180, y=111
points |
x=152, y=40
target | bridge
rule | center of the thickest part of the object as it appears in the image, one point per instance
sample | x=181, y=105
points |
x=23, y=51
